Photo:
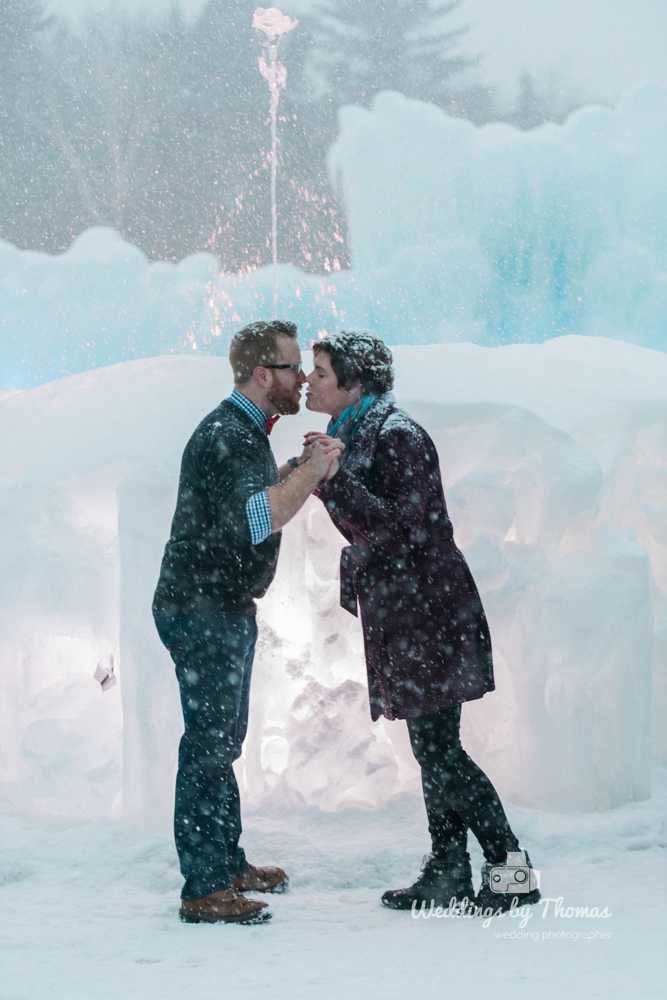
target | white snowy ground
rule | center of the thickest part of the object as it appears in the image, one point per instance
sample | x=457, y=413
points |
x=90, y=912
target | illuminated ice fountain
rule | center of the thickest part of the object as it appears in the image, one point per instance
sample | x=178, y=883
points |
x=272, y=24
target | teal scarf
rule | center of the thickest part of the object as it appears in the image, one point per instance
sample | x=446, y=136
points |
x=348, y=422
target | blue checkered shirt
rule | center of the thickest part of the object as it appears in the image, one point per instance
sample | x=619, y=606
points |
x=257, y=509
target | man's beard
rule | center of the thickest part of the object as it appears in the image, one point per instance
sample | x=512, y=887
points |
x=286, y=401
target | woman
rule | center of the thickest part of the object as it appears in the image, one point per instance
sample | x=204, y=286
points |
x=426, y=638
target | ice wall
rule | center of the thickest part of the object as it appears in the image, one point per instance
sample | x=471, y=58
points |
x=458, y=233
x=497, y=236
x=554, y=459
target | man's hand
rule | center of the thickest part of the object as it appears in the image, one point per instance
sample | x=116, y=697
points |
x=286, y=470
x=333, y=447
x=324, y=454
x=289, y=496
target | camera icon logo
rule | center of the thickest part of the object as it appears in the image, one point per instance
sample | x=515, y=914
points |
x=514, y=876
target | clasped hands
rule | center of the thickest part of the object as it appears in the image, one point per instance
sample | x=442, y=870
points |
x=323, y=451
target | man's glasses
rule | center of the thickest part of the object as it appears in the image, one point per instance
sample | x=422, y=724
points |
x=298, y=367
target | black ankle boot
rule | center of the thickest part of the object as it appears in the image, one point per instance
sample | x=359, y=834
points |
x=518, y=878
x=440, y=881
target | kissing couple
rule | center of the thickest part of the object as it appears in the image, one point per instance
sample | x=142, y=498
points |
x=426, y=637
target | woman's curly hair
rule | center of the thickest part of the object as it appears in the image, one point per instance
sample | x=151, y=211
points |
x=357, y=356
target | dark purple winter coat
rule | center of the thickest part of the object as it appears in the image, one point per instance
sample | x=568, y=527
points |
x=426, y=636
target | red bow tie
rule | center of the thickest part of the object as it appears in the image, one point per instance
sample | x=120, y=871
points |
x=270, y=421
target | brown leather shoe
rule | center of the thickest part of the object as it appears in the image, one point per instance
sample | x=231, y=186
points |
x=261, y=880
x=226, y=906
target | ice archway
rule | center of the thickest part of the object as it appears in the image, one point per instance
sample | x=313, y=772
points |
x=555, y=466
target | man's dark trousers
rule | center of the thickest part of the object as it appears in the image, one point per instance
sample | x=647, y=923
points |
x=213, y=656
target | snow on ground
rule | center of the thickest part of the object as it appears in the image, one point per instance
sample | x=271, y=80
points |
x=89, y=912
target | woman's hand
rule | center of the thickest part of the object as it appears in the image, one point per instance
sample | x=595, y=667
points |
x=312, y=436
x=324, y=457
x=332, y=447
x=309, y=440
x=334, y=467
x=305, y=454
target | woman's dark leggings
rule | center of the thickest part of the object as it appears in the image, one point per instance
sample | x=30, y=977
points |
x=457, y=793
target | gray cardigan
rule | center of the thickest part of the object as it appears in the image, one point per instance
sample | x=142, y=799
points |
x=209, y=561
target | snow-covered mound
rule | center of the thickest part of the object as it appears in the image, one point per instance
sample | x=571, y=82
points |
x=458, y=233
x=554, y=459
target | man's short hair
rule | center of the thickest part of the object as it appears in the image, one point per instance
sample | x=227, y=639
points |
x=359, y=357
x=256, y=345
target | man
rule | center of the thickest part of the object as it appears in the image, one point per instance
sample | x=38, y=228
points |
x=220, y=558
